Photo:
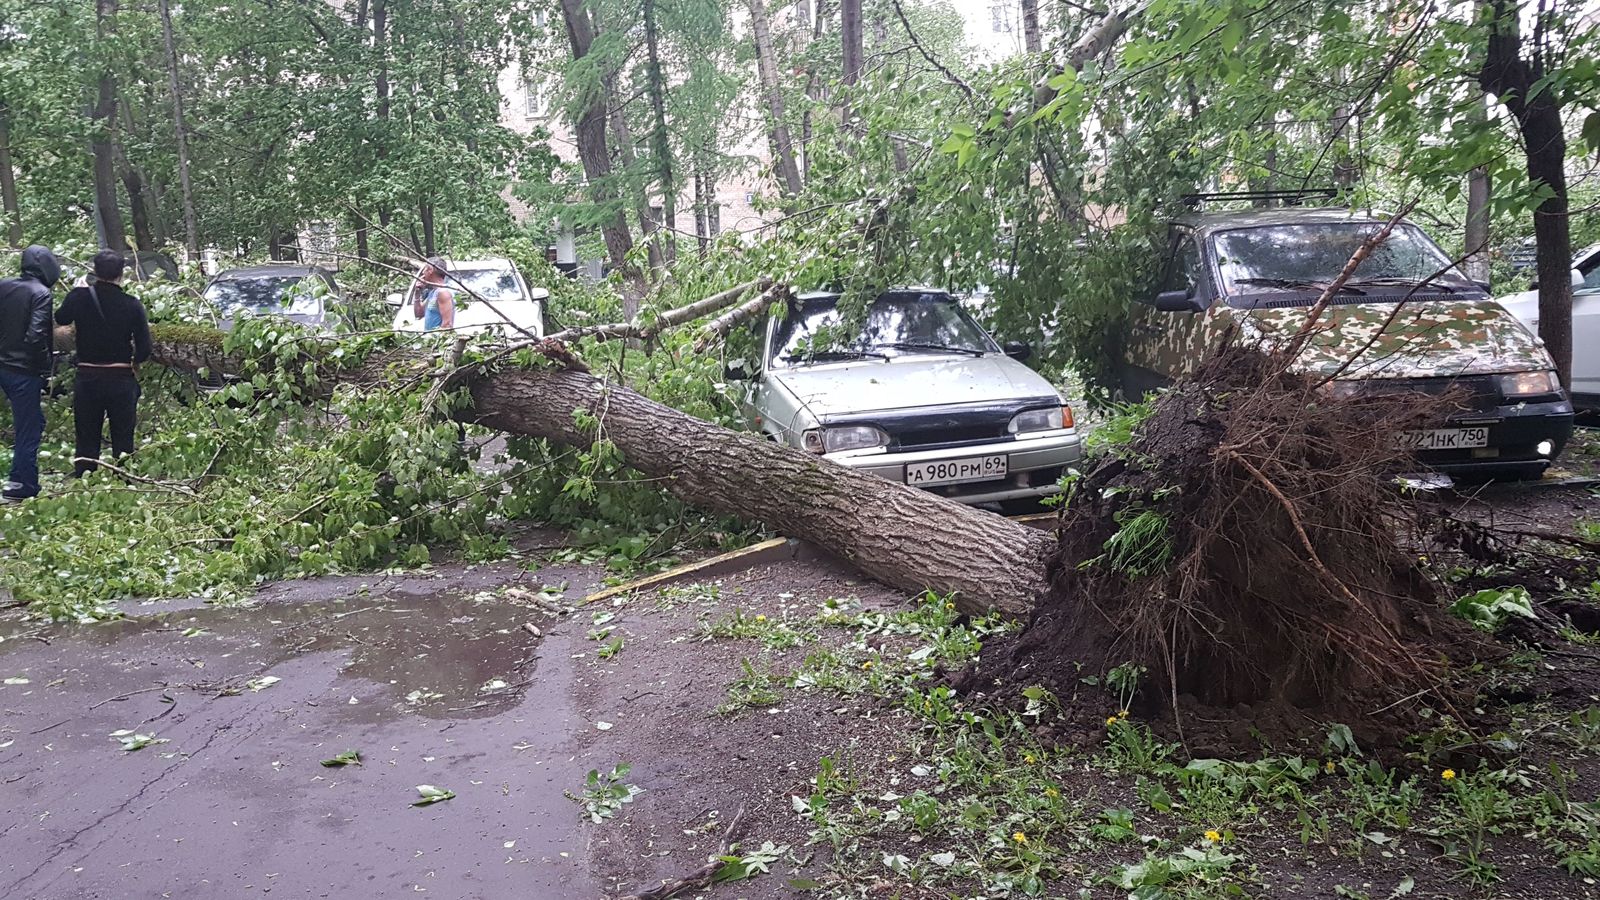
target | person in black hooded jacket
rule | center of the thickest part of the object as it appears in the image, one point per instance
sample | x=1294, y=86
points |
x=26, y=341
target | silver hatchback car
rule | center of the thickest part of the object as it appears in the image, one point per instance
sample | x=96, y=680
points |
x=919, y=394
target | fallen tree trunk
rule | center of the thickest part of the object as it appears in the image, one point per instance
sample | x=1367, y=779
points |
x=901, y=536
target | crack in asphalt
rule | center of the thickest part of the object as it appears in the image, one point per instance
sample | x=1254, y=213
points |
x=68, y=843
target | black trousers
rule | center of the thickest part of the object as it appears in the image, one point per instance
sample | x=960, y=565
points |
x=99, y=395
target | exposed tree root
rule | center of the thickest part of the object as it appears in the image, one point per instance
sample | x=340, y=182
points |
x=1243, y=553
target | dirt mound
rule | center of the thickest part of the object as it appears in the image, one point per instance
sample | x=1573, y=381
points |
x=1236, y=572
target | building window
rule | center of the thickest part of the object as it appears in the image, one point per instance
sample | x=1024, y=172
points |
x=1000, y=15
x=535, y=99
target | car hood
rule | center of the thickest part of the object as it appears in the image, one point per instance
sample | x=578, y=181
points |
x=905, y=382
x=1427, y=339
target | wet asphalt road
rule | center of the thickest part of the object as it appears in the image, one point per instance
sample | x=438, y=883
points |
x=235, y=802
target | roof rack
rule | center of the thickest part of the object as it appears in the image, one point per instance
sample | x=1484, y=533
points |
x=1289, y=198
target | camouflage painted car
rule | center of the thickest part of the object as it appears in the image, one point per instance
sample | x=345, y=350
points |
x=1255, y=275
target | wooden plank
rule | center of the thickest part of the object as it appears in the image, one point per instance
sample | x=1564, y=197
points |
x=775, y=550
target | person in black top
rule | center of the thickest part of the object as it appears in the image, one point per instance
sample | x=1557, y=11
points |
x=25, y=343
x=113, y=339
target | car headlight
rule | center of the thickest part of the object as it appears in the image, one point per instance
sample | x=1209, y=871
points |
x=1344, y=390
x=844, y=437
x=1528, y=384
x=1050, y=419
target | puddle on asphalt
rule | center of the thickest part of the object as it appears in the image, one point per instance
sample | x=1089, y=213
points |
x=442, y=656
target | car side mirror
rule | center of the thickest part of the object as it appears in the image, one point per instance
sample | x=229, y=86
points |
x=1177, y=301
x=736, y=371
x=1577, y=278
x=1484, y=286
x=394, y=300
x=1018, y=350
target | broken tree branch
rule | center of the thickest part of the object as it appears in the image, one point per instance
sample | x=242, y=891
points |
x=717, y=329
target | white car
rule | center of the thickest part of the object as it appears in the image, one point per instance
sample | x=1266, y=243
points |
x=490, y=295
x=919, y=394
x=1585, y=324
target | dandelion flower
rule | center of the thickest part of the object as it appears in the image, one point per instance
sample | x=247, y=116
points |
x=949, y=605
x=1029, y=759
x=1052, y=793
x=1448, y=774
x=1328, y=767
x=1214, y=836
x=761, y=617
x=1020, y=838
x=1111, y=720
x=867, y=664
x=1122, y=714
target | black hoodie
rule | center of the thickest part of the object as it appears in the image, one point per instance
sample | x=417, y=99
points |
x=26, y=338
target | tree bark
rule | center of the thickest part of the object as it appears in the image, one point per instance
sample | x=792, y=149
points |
x=660, y=139
x=8, y=181
x=850, y=35
x=103, y=146
x=767, y=68
x=903, y=537
x=1031, y=40
x=1513, y=79
x=590, y=134
x=429, y=241
x=180, y=131
x=1475, y=240
x=138, y=204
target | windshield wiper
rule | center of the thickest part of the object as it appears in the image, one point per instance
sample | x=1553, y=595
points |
x=1397, y=281
x=932, y=348
x=1296, y=283
x=827, y=355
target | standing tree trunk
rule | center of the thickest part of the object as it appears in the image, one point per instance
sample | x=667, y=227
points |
x=1479, y=192
x=814, y=89
x=363, y=249
x=8, y=181
x=767, y=67
x=660, y=139
x=590, y=134
x=103, y=144
x=1031, y=40
x=138, y=204
x=380, y=49
x=191, y=236
x=1513, y=80
x=850, y=35
x=702, y=211
x=425, y=214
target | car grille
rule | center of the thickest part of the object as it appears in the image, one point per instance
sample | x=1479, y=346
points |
x=1477, y=393
x=939, y=435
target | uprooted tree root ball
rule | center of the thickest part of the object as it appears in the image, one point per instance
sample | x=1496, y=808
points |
x=1236, y=572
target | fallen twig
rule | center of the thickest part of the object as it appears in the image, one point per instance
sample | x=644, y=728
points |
x=700, y=877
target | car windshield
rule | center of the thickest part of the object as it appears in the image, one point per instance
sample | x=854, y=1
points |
x=493, y=285
x=896, y=324
x=288, y=294
x=1306, y=256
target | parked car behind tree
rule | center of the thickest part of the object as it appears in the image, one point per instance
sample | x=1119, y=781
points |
x=1253, y=275
x=1585, y=324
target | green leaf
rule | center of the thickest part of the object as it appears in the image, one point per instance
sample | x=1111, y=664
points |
x=431, y=795
x=1591, y=130
x=347, y=758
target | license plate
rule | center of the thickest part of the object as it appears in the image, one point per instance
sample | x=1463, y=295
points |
x=1447, y=439
x=957, y=471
